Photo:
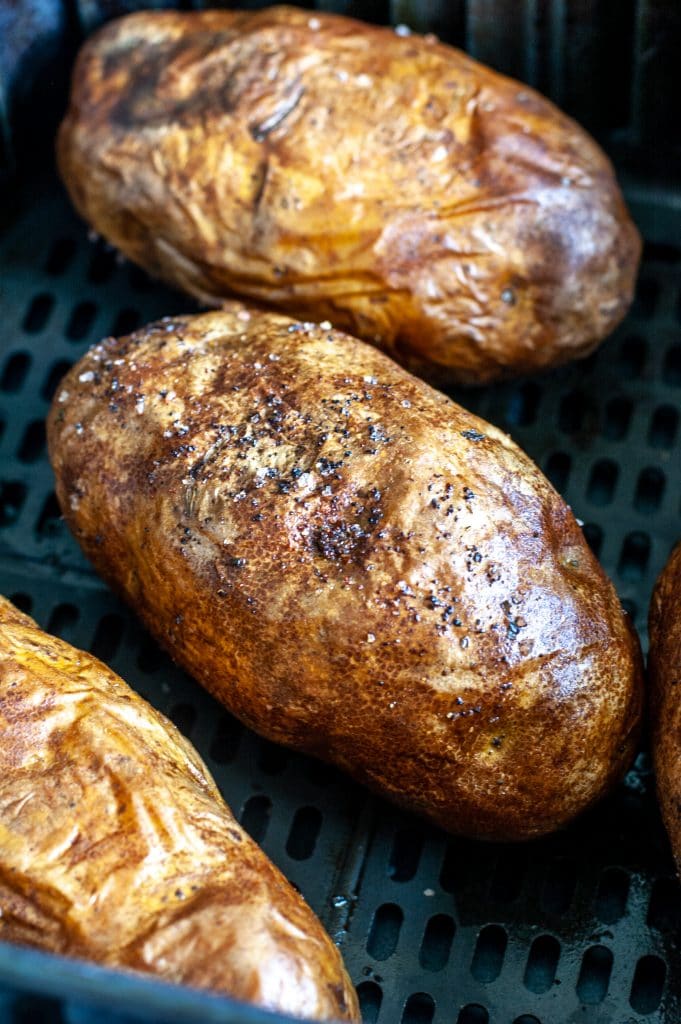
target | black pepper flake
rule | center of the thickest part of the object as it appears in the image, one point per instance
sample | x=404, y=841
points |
x=237, y=563
x=472, y=435
x=468, y=494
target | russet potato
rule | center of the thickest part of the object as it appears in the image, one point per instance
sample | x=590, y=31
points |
x=664, y=667
x=337, y=170
x=115, y=845
x=356, y=566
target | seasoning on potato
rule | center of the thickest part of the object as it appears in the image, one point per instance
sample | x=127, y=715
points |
x=342, y=171
x=115, y=845
x=353, y=564
x=664, y=669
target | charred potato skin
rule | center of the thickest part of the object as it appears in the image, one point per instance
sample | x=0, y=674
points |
x=336, y=170
x=116, y=846
x=664, y=672
x=353, y=564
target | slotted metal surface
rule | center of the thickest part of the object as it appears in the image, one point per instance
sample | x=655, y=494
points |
x=581, y=926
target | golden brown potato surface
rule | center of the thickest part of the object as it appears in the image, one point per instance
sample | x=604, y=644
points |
x=353, y=564
x=339, y=170
x=665, y=698
x=115, y=844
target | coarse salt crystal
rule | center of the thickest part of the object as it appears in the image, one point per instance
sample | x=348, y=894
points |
x=370, y=638
x=86, y=377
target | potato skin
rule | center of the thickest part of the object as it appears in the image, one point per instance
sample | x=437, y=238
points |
x=353, y=564
x=664, y=672
x=116, y=846
x=336, y=170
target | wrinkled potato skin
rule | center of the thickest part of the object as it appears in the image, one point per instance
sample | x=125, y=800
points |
x=308, y=531
x=336, y=170
x=664, y=670
x=115, y=844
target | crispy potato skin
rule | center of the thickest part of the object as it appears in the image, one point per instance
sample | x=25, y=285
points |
x=353, y=564
x=116, y=846
x=335, y=170
x=664, y=671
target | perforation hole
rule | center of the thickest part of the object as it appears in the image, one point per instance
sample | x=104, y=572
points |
x=370, y=996
x=488, y=957
x=572, y=412
x=38, y=313
x=33, y=1010
x=316, y=772
x=15, y=372
x=594, y=975
x=602, y=482
x=593, y=535
x=304, y=833
x=671, y=371
x=664, y=910
x=385, y=931
x=611, y=898
x=150, y=657
x=508, y=877
x=108, y=636
x=634, y=557
x=12, y=498
x=542, y=962
x=125, y=322
x=184, y=717
x=22, y=601
x=522, y=405
x=437, y=942
x=419, y=1009
x=647, y=294
x=272, y=759
x=139, y=281
x=33, y=442
x=649, y=490
x=102, y=265
x=63, y=619
x=663, y=427
x=225, y=744
x=559, y=886
x=54, y=378
x=81, y=320
x=617, y=418
x=405, y=854
x=558, y=470
x=49, y=521
x=60, y=256
x=526, y=1019
x=255, y=817
x=660, y=252
x=648, y=984
x=473, y=1014
x=454, y=867
x=632, y=356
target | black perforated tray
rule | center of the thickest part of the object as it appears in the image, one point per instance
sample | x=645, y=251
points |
x=579, y=927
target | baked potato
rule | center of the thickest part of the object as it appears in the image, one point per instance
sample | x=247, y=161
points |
x=354, y=565
x=115, y=844
x=342, y=171
x=664, y=669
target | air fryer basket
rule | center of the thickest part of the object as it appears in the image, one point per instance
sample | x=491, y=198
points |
x=579, y=927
